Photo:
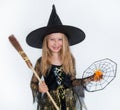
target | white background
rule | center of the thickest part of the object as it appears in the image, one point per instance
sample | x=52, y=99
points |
x=100, y=20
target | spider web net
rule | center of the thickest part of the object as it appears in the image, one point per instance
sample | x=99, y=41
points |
x=108, y=69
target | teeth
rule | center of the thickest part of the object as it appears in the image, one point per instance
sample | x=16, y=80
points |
x=55, y=48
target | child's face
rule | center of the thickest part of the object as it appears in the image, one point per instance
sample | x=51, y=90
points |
x=55, y=42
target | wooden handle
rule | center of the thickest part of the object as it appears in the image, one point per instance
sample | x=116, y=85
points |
x=57, y=108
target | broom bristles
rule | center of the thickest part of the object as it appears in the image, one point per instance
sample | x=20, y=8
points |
x=18, y=47
x=15, y=43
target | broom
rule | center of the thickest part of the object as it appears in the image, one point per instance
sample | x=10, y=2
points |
x=19, y=49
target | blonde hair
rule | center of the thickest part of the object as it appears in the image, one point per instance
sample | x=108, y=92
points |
x=68, y=62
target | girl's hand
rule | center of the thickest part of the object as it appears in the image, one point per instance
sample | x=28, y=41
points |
x=43, y=87
x=98, y=75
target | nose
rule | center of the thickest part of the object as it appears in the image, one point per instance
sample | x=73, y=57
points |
x=56, y=41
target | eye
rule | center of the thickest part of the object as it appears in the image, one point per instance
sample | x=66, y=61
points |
x=60, y=39
x=51, y=39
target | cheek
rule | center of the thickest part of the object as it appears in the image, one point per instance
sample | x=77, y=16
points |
x=61, y=43
x=50, y=43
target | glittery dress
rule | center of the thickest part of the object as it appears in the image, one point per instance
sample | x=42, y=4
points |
x=60, y=88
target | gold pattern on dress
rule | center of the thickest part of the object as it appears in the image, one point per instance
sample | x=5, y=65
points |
x=61, y=92
x=59, y=78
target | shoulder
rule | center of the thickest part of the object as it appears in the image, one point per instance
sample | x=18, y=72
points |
x=39, y=60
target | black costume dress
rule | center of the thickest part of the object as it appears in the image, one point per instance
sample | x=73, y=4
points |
x=63, y=90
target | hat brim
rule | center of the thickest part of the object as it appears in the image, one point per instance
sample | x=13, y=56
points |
x=74, y=35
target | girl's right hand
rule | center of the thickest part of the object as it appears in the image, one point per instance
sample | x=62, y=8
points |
x=43, y=87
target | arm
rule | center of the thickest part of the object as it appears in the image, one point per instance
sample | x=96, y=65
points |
x=82, y=81
x=36, y=87
x=34, y=81
x=97, y=76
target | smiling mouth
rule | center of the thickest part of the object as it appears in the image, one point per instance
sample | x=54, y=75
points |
x=55, y=48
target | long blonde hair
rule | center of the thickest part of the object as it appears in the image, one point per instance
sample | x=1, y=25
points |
x=68, y=61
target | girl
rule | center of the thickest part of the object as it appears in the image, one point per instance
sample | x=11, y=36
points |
x=57, y=65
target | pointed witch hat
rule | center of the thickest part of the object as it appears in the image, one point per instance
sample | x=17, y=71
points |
x=74, y=35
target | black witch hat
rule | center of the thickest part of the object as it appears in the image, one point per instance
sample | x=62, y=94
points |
x=74, y=35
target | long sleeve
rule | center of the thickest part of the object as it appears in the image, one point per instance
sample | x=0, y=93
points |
x=82, y=81
x=79, y=84
x=34, y=81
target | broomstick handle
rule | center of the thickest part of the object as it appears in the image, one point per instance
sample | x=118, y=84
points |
x=57, y=108
x=19, y=49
